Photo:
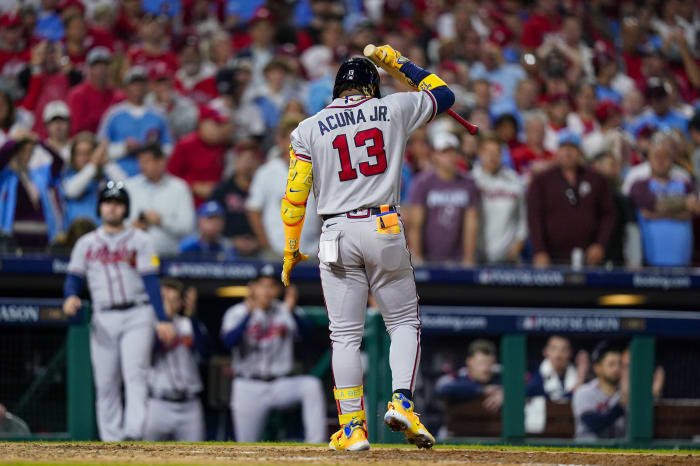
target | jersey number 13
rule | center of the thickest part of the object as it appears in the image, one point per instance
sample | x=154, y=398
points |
x=376, y=150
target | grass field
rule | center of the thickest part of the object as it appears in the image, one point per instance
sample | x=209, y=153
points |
x=141, y=453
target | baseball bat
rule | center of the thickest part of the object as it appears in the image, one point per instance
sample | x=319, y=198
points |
x=377, y=56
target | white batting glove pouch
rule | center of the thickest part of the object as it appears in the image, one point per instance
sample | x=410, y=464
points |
x=328, y=246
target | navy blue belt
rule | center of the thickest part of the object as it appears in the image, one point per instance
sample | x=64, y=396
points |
x=177, y=397
x=125, y=306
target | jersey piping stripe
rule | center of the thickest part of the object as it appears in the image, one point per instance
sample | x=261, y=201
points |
x=420, y=324
x=351, y=105
x=303, y=157
x=106, y=270
x=323, y=295
x=121, y=283
x=432, y=97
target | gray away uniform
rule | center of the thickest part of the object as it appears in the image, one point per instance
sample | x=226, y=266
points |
x=122, y=327
x=597, y=415
x=262, y=363
x=356, y=146
x=174, y=409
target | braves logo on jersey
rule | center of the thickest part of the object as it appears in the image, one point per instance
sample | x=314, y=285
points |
x=103, y=255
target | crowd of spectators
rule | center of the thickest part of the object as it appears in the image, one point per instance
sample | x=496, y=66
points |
x=589, y=155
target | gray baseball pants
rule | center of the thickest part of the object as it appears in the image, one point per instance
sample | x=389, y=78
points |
x=368, y=262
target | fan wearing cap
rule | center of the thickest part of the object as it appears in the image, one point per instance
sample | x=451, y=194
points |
x=262, y=29
x=89, y=100
x=532, y=156
x=153, y=48
x=198, y=158
x=130, y=124
x=161, y=204
x=209, y=239
x=49, y=82
x=544, y=20
x=444, y=209
x=609, y=134
x=14, y=53
x=56, y=117
x=502, y=77
x=660, y=114
x=182, y=113
x=599, y=405
x=558, y=108
x=30, y=208
x=261, y=331
x=196, y=78
x=569, y=206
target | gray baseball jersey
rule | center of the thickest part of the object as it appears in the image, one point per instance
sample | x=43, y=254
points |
x=174, y=371
x=267, y=347
x=113, y=266
x=356, y=146
x=120, y=339
x=589, y=398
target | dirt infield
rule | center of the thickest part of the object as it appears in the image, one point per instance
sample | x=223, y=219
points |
x=236, y=454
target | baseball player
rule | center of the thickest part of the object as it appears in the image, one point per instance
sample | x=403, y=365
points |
x=261, y=331
x=174, y=409
x=120, y=266
x=351, y=153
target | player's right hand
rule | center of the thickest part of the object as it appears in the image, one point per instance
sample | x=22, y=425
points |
x=166, y=332
x=71, y=305
x=291, y=258
x=391, y=57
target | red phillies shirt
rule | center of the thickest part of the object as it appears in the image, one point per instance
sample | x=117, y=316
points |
x=536, y=27
x=138, y=56
x=11, y=63
x=87, y=105
x=193, y=160
x=44, y=88
x=523, y=157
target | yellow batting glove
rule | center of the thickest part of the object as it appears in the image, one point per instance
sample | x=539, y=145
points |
x=391, y=57
x=291, y=258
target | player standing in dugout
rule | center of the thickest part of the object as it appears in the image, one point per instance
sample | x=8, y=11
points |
x=351, y=154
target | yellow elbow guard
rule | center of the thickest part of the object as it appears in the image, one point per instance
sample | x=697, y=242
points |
x=292, y=213
x=293, y=208
x=431, y=82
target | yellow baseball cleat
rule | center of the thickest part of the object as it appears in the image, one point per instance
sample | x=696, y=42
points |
x=401, y=418
x=351, y=437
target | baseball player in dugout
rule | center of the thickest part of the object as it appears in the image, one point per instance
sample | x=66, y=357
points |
x=261, y=332
x=174, y=409
x=120, y=266
x=351, y=153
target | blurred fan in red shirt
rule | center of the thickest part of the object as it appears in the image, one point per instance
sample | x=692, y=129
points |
x=198, y=158
x=90, y=99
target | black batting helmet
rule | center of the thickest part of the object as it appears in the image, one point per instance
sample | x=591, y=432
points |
x=360, y=72
x=114, y=190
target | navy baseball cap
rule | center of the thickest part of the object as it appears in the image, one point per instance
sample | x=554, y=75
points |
x=569, y=138
x=211, y=209
x=266, y=271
